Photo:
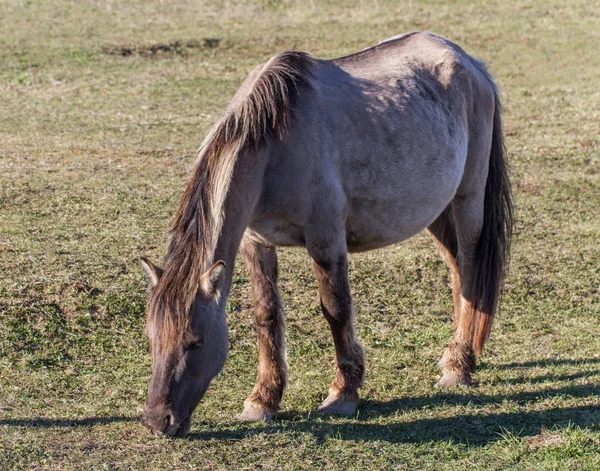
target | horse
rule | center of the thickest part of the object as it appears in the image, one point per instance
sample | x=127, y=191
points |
x=337, y=156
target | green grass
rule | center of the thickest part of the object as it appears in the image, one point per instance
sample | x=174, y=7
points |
x=94, y=151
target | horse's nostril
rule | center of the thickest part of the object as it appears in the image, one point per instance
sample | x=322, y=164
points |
x=167, y=422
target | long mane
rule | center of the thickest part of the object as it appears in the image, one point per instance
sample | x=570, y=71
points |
x=262, y=108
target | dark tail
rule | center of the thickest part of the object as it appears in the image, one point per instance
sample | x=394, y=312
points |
x=493, y=249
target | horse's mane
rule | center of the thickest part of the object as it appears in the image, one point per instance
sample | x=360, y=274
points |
x=263, y=107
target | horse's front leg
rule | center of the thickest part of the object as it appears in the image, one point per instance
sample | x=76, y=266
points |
x=331, y=269
x=263, y=402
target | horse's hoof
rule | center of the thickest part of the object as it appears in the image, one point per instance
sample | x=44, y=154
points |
x=255, y=413
x=337, y=404
x=451, y=378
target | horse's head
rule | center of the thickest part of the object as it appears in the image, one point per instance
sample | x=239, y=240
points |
x=184, y=364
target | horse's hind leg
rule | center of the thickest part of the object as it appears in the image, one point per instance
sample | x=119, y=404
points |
x=263, y=402
x=330, y=263
x=444, y=235
x=459, y=359
x=443, y=232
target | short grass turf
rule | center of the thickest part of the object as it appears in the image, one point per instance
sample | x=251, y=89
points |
x=102, y=105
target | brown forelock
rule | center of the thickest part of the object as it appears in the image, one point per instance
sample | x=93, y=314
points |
x=265, y=111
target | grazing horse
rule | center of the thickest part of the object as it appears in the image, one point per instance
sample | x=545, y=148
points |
x=338, y=156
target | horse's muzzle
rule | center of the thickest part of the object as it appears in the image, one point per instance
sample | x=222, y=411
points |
x=163, y=422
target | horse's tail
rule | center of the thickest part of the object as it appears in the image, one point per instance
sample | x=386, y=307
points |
x=493, y=248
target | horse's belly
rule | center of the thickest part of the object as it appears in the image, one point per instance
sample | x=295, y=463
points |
x=391, y=206
x=382, y=225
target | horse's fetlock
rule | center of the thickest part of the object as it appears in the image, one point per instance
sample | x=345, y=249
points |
x=459, y=357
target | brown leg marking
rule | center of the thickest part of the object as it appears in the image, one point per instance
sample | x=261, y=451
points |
x=336, y=304
x=263, y=402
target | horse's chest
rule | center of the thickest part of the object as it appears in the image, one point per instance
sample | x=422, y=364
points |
x=277, y=232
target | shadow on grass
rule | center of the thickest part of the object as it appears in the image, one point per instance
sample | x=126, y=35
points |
x=549, y=378
x=545, y=363
x=373, y=409
x=474, y=429
x=467, y=429
x=47, y=423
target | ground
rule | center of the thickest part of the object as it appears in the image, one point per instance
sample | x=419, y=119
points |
x=103, y=104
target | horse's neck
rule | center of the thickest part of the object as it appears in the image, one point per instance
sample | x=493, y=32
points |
x=244, y=192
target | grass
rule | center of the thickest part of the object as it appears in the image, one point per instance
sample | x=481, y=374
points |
x=103, y=106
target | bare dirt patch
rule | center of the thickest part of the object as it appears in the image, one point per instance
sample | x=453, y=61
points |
x=545, y=439
x=178, y=48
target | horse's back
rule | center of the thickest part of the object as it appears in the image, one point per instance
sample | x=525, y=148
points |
x=416, y=53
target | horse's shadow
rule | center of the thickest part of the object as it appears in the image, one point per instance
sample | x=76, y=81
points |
x=467, y=429
x=473, y=429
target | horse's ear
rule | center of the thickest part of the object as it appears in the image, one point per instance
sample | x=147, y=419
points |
x=212, y=281
x=153, y=273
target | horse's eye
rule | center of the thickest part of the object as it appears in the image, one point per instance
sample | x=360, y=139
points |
x=195, y=346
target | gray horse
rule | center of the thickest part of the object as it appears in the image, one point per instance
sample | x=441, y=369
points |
x=338, y=156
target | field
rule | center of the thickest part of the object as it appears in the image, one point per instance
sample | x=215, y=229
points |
x=103, y=104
